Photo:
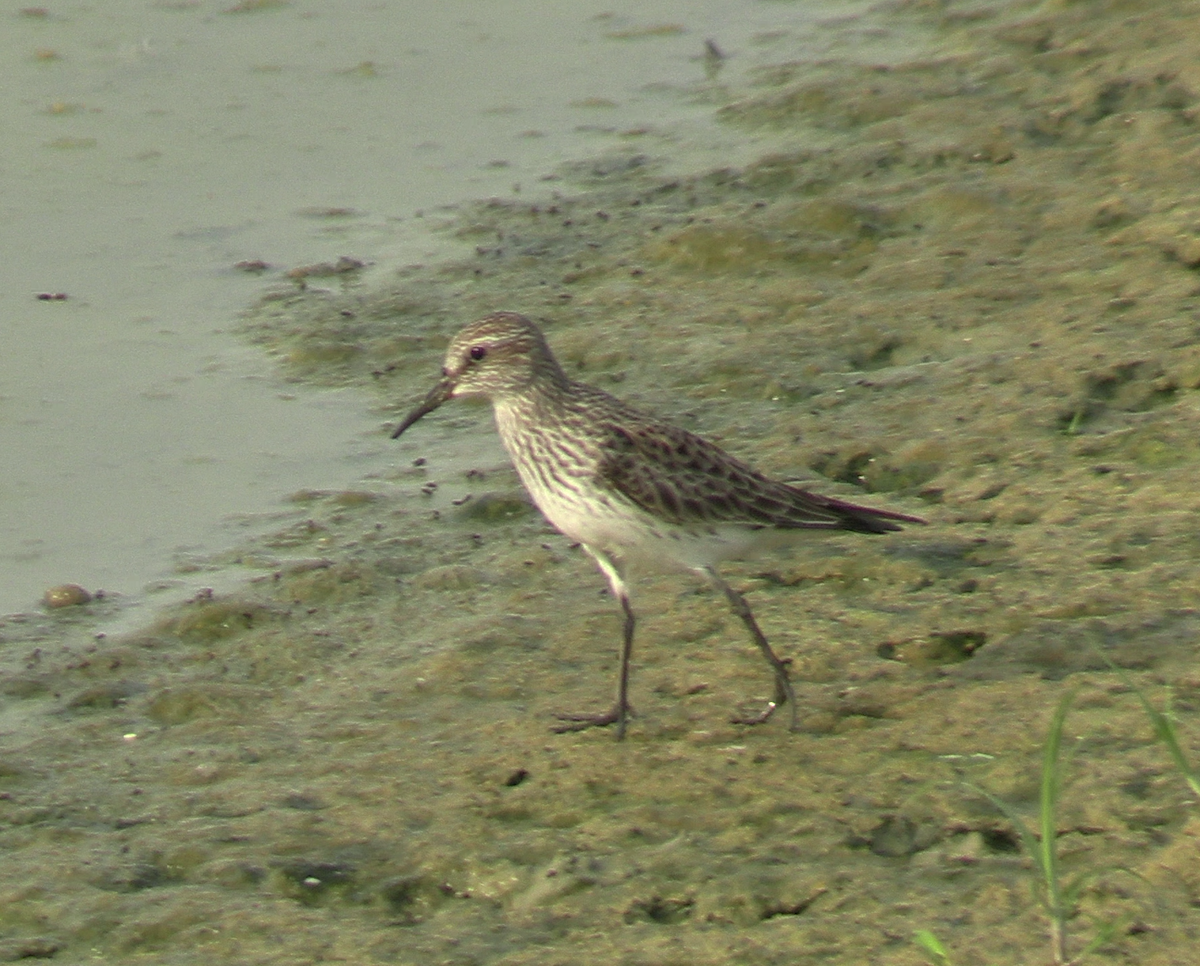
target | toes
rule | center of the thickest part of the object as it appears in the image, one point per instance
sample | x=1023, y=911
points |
x=581, y=722
x=756, y=719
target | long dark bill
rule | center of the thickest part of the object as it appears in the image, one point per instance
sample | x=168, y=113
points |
x=437, y=395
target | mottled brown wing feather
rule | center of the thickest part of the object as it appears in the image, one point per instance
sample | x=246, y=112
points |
x=689, y=481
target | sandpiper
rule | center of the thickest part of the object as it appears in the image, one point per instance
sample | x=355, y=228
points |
x=630, y=487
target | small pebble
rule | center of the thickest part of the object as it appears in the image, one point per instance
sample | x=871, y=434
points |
x=65, y=595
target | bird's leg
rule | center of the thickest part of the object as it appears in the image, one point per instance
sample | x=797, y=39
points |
x=620, y=712
x=783, y=685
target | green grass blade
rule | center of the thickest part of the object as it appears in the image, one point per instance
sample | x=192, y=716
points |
x=1164, y=730
x=1163, y=727
x=1048, y=807
x=1104, y=932
x=929, y=942
x=1057, y=907
x=1029, y=841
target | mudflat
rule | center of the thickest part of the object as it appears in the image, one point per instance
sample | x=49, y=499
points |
x=965, y=284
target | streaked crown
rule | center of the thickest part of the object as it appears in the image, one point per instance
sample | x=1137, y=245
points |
x=502, y=354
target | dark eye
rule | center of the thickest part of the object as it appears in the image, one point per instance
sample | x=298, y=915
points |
x=477, y=352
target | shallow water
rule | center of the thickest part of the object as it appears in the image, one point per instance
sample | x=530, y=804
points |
x=966, y=289
x=152, y=147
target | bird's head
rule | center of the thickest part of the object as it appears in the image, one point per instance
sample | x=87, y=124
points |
x=502, y=354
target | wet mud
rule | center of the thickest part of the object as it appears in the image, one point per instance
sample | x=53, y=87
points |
x=964, y=285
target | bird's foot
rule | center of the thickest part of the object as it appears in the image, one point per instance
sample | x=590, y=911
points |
x=581, y=722
x=763, y=716
x=760, y=717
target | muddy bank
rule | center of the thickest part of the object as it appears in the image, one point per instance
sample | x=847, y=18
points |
x=965, y=284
